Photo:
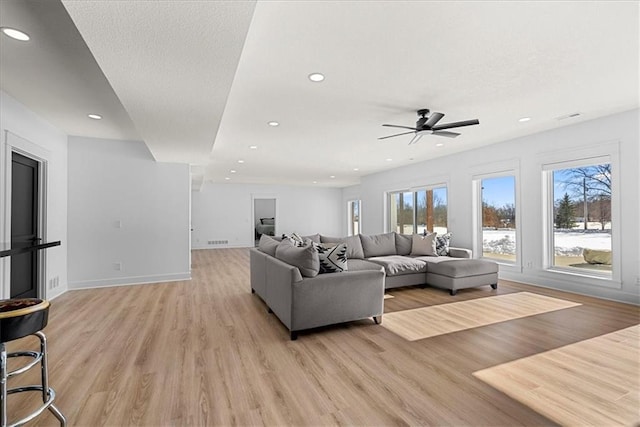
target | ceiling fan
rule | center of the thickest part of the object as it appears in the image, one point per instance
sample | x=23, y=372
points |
x=428, y=125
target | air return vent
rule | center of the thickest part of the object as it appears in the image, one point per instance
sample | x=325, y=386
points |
x=218, y=242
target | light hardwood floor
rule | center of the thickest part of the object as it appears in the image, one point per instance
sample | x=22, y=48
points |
x=206, y=352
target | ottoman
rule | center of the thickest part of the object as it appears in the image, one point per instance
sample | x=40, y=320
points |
x=457, y=274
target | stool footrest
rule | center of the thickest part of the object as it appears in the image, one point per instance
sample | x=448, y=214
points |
x=37, y=356
x=40, y=410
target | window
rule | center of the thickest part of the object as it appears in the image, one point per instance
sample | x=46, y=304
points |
x=498, y=228
x=418, y=211
x=353, y=207
x=580, y=217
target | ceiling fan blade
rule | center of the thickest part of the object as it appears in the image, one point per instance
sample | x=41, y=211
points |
x=445, y=133
x=398, y=134
x=457, y=124
x=433, y=119
x=401, y=127
x=416, y=138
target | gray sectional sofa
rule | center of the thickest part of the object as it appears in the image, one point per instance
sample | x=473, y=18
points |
x=304, y=300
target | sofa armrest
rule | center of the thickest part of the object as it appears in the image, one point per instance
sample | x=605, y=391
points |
x=337, y=297
x=460, y=253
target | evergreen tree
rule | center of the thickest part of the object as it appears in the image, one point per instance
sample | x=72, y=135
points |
x=565, y=213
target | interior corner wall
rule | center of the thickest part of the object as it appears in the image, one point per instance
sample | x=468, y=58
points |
x=224, y=212
x=128, y=215
x=32, y=133
x=457, y=169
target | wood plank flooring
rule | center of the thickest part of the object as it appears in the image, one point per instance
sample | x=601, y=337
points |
x=425, y=322
x=594, y=382
x=206, y=352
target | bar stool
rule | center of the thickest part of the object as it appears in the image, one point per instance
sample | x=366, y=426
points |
x=20, y=318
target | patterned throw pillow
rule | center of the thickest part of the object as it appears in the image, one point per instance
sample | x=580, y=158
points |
x=295, y=238
x=333, y=259
x=442, y=244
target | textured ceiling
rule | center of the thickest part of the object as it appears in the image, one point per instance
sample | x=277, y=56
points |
x=201, y=79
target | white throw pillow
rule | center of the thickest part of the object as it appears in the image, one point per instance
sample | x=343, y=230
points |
x=424, y=245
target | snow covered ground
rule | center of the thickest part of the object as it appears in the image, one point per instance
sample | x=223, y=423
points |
x=568, y=243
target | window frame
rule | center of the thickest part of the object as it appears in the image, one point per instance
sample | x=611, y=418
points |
x=413, y=190
x=589, y=158
x=498, y=172
x=350, y=231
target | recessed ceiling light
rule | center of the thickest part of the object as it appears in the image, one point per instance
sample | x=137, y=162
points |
x=389, y=160
x=240, y=161
x=227, y=178
x=356, y=169
x=95, y=116
x=315, y=182
x=273, y=123
x=316, y=77
x=16, y=34
x=253, y=147
x=524, y=119
x=232, y=171
x=439, y=144
x=332, y=176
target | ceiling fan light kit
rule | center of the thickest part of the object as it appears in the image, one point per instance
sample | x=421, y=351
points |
x=428, y=124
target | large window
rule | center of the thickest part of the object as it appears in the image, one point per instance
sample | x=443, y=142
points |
x=499, y=218
x=418, y=211
x=353, y=207
x=580, y=214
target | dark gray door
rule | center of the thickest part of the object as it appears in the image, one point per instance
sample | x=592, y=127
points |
x=24, y=225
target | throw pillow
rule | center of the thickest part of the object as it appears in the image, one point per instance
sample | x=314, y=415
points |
x=268, y=245
x=305, y=257
x=442, y=244
x=424, y=245
x=333, y=258
x=295, y=238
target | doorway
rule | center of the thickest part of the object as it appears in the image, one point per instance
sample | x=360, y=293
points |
x=25, y=199
x=264, y=217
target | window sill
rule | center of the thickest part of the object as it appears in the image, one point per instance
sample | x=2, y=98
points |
x=602, y=280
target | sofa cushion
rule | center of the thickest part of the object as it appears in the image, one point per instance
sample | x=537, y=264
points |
x=268, y=245
x=332, y=257
x=424, y=245
x=305, y=257
x=442, y=244
x=403, y=243
x=397, y=265
x=463, y=267
x=354, y=248
x=378, y=245
x=362, y=265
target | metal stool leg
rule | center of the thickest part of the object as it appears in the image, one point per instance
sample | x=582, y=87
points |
x=3, y=385
x=44, y=370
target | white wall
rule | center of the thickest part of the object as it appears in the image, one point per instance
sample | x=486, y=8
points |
x=125, y=208
x=24, y=130
x=620, y=131
x=225, y=212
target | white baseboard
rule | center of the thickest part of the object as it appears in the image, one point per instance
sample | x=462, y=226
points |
x=126, y=281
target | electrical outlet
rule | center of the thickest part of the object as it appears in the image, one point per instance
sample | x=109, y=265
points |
x=638, y=280
x=117, y=266
x=529, y=264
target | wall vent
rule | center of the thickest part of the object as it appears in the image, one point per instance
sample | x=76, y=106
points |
x=218, y=242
